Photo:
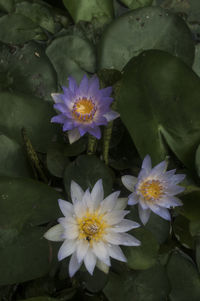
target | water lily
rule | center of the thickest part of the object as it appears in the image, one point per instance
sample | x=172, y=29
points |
x=92, y=228
x=154, y=189
x=83, y=108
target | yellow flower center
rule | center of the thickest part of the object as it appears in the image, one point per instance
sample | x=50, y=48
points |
x=151, y=190
x=91, y=227
x=84, y=109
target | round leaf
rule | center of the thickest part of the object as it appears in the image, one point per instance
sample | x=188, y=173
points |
x=18, y=111
x=154, y=87
x=86, y=171
x=184, y=279
x=75, y=57
x=13, y=159
x=142, y=29
x=57, y=160
x=133, y=4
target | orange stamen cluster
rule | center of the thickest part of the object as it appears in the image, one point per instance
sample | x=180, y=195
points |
x=84, y=109
x=151, y=190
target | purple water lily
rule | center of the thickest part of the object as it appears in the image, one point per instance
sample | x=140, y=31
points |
x=83, y=108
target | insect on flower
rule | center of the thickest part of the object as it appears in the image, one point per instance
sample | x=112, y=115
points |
x=154, y=190
x=92, y=228
x=83, y=108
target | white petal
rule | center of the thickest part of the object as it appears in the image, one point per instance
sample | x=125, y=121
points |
x=56, y=97
x=66, y=207
x=76, y=192
x=163, y=212
x=144, y=214
x=102, y=266
x=121, y=203
x=80, y=209
x=109, y=202
x=121, y=239
x=67, y=248
x=55, y=233
x=170, y=201
x=158, y=169
x=97, y=193
x=101, y=252
x=82, y=248
x=132, y=199
x=74, y=265
x=146, y=164
x=71, y=231
x=116, y=253
x=90, y=261
x=115, y=216
x=111, y=115
x=176, y=179
x=73, y=135
x=125, y=225
x=144, y=205
x=174, y=189
x=129, y=182
x=87, y=199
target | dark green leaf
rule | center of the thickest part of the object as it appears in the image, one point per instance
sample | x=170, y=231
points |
x=13, y=159
x=39, y=299
x=100, y=11
x=154, y=87
x=18, y=29
x=133, y=4
x=25, y=202
x=38, y=13
x=159, y=227
x=184, y=279
x=148, y=285
x=75, y=57
x=144, y=256
x=28, y=70
x=191, y=208
x=94, y=283
x=86, y=171
x=142, y=29
x=18, y=111
x=57, y=159
x=182, y=231
x=7, y=5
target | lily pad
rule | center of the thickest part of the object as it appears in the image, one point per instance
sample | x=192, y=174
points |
x=13, y=159
x=133, y=4
x=142, y=29
x=86, y=170
x=18, y=29
x=20, y=110
x=28, y=70
x=75, y=57
x=154, y=87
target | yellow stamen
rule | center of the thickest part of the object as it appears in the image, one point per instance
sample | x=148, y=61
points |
x=92, y=226
x=151, y=190
x=84, y=109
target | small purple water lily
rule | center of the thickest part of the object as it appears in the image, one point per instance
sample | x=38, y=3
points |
x=83, y=108
x=154, y=189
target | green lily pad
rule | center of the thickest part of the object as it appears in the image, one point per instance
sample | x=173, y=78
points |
x=38, y=13
x=142, y=29
x=159, y=227
x=182, y=231
x=144, y=256
x=191, y=207
x=184, y=279
x=18, y=29
x=13, y=161
x=26, y=257
x=7, y=5
x=100, y=11
x=26, y=202
x=40, y=299
x=133, y=4
x=86, y=170
x=148, y=285
x=57, y=159
x=75, y=57
x=28, y=70
x=154, y=87
x=20, y=110
x=198, y=253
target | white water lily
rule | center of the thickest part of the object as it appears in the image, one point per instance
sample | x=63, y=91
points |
x=92, y=228
x=154, y=190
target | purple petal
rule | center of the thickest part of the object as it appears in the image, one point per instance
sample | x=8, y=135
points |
x=58, y=118
x=60, y=107
x=101, y=121
x=72, y=84
x=146, y=164
x=93, y=86
x=106, y=91
x=83, y=88
x=95, y=132
x=82, y=131
x=68, y=125
x=111, y=115
x=73, y=135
